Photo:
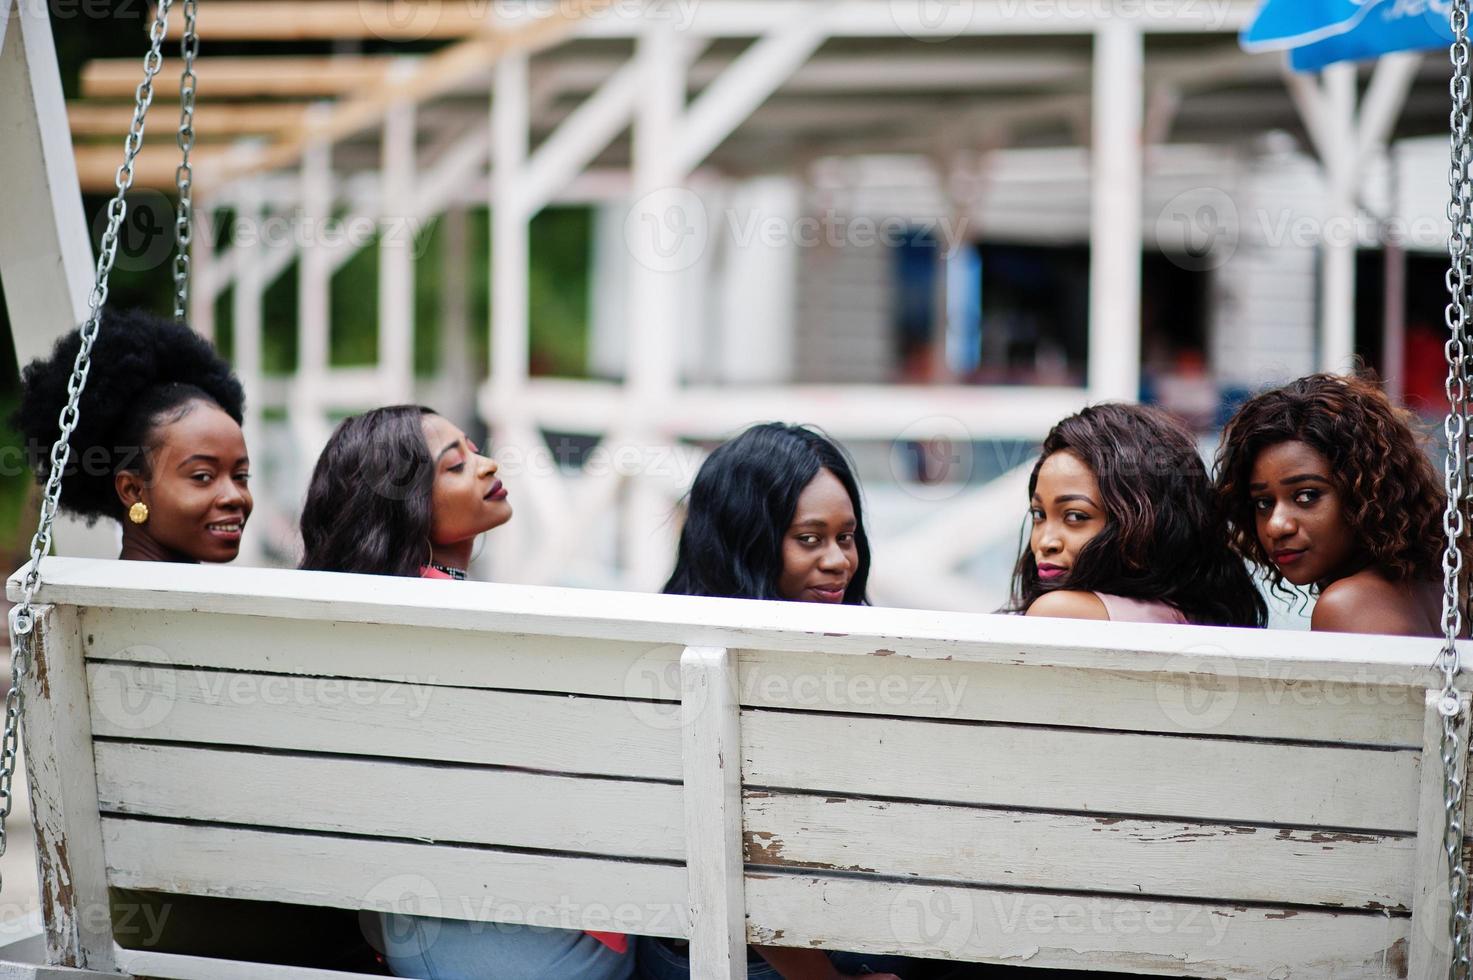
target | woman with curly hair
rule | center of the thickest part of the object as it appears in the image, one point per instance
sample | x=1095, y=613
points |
x=1123, y=527
x=1325, y=485
x=158, y=445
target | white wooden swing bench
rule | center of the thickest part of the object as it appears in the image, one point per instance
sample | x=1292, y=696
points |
x=1164, y=800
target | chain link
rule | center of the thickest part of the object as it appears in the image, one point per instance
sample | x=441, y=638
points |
x=184, y=173
x=22, y=617
x=1459, y=318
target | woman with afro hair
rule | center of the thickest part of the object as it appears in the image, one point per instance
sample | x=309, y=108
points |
x=1325, y=485
x=158, y=445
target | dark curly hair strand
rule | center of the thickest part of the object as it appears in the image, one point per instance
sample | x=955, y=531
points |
x=146, y=373
x=1392, y=496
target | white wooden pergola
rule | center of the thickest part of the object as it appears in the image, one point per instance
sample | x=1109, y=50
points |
x=652, y=105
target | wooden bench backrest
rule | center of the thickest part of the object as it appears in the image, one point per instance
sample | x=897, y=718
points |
x=1168, y=800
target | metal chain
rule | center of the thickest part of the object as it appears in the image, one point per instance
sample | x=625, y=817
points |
x=1459, y=317
x=22, y=617
x=184, y=173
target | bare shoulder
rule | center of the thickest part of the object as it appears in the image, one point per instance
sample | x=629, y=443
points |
x=1367, y=602
x=1069, y=605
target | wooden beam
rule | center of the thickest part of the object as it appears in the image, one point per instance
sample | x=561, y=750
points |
x=97, y=166
x=213, y=120
x=254, y=77
x=336, y=20
x=437, y=74
x=407, y=20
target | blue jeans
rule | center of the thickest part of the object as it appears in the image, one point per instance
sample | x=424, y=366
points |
x=453, y=949
x=657, y=961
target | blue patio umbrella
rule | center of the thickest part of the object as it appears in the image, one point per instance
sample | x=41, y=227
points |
x=1317, y=33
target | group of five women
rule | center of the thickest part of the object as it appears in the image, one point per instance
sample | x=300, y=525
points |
x=1321, y=483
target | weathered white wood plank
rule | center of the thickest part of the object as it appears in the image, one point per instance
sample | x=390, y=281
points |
x=1013, y=848
x=63, y=785
x=1095, y=772
x=711, y=739
x=1192, y=703
x=363, y=717
x=391, y=876
x=448, y=657
x=737, y=623
x=172, y=966
x=1432, y=951
x=390, y=799
x=357, y=796
x=1075, y=932
x=1256, y=705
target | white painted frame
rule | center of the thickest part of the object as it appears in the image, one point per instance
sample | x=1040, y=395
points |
x=593, y=637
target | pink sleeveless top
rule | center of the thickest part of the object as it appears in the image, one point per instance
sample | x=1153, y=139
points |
x=1123, y=610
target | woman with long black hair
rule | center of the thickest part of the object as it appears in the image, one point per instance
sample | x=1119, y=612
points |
x=402, y=491
x=773, y=514
x=1123, y=525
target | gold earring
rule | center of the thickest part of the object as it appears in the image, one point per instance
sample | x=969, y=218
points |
x=138, y=513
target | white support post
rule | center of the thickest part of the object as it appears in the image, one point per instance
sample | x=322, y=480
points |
x=314, y=302
x=63, y=783
x=245, y=307
x=1431, y=946
x=710, y=724
x=48, y=271
x=202, y=295
x=457, y=370
x=653, y=366
x=510, y=313
x=1115, y=213
x=510, y=343
x=1337, y=241
x=396, y=249
x=653, y=331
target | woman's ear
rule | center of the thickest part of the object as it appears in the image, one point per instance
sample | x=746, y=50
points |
x=129, y=486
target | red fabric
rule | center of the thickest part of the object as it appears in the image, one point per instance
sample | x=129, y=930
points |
x=616, y=941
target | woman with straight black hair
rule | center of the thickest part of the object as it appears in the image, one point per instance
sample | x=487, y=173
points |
x=740, y=539
x=774, y=514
